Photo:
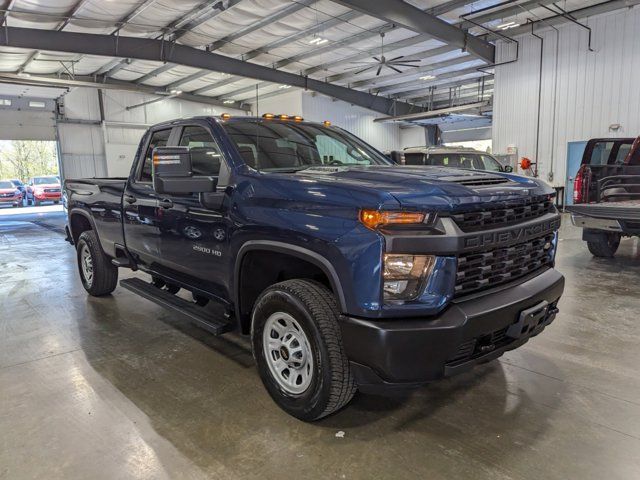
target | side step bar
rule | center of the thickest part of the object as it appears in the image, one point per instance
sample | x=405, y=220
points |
x=176, y=304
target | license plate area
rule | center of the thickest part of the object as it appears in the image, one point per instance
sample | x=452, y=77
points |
x=530, y=321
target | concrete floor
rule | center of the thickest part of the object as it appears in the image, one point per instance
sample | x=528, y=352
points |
x=114, y=388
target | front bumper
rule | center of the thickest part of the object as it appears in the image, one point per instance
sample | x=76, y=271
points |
x=401, y=353
x=12, y=200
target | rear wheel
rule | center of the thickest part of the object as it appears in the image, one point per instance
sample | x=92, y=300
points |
x=298, y=349
x=99, y=276
x=605, y=245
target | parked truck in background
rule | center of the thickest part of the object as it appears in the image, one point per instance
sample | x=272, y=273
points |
x=347, y=271
x=606, y=194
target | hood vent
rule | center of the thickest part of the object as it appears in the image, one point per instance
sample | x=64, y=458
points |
x=484, y=181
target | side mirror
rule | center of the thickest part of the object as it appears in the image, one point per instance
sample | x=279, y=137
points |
x=507, y=169
x=172, y=172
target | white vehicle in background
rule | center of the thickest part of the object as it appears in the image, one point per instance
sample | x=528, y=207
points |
x=458, y=157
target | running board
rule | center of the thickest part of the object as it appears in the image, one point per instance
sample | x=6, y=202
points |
x=193, y=313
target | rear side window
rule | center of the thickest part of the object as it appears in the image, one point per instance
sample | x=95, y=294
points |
x=205, y=154
x=456, y=160
x=159, y=138
x=623, y=151
x=490, y=164
x=414, y=158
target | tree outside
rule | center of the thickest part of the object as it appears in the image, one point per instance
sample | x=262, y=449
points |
x=23, y=159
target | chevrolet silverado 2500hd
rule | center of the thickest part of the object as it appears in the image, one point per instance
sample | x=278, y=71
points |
x=347, y=271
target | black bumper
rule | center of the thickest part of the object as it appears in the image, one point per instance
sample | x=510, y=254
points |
x=401, y=353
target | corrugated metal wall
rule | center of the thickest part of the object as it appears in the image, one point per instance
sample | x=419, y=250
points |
x=588, y=92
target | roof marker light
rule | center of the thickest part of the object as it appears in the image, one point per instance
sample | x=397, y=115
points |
x=326, y=123
x=282, y=116
x=298, y=118
x=268, y=116
x=225, y=116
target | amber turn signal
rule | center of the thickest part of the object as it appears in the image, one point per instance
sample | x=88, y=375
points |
x=374, y=218
x=225, y=116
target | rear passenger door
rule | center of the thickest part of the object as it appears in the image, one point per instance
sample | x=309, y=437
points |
x=194, y=247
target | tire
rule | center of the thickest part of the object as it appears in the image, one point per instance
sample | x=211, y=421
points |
x=104, y=275
x=28, y=202
x=605, y=245
x=36, y=202
x=323, y=384
x=56, y=202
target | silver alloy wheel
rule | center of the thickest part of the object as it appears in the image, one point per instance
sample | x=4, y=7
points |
x=288, y=353
x=86, y=264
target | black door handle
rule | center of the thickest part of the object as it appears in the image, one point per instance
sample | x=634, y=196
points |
x=166, y=203
x=130, y=199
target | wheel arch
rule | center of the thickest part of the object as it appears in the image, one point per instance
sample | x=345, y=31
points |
x=80, y=221
x=300, y=253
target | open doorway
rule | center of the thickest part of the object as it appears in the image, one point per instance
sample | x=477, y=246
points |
x=29, y=177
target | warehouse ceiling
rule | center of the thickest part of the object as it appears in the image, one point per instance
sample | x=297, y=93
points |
x=298, y=41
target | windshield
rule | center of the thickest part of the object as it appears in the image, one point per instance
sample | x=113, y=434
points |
x=4, y=184
x=280, y=146
x=17, y=183
x=45, y=180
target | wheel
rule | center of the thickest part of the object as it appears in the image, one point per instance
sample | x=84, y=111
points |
x=99, y=276
x=36, y=202
x=56, y=202
x=28, y=202
x=298, y=349
x=605, y=245
x=171, y=288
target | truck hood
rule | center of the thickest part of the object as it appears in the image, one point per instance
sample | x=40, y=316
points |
x=433, y=187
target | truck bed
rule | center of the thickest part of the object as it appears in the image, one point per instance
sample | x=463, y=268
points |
x=623, y=210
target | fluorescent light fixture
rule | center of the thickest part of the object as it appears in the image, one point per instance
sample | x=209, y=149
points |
x=508, y=25
x=502, y=25
x=24, y=74
x=228, y=102
x=318, y=41
x=428, y=77
x=175, y=92
x=284, y=86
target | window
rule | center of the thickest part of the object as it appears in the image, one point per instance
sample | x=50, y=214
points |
x=46, y=180
x=623, y=151
x=159, y=138
x=34, y=104
x=6, y=185
x=205, y=154
x=414, y=158
x=455, y=160
x=5, y=102
x=288, y=146
x=601, y=153
x=486, y=162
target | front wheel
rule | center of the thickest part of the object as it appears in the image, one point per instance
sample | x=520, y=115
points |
x=99, y=276
x=605, y=245
x=298, y=348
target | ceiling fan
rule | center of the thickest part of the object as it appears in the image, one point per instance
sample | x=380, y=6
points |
x=383, y=61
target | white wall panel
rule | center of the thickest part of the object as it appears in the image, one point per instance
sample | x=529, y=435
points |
x=413, y=137
x=581, y=98
x=82, y=151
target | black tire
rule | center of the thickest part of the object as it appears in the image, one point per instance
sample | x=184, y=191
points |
x=605, y=245
x=314, y=307
x=56, y=202
x=36, y=202
x=28, y=202
x=104, y=274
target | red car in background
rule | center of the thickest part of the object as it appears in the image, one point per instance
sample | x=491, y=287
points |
x=9, y=193
x=43, y=189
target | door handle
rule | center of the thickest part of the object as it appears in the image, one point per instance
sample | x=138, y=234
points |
x=166, y=203
x=130, y=199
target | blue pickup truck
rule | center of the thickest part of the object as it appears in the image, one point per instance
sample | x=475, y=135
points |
x=346, y=270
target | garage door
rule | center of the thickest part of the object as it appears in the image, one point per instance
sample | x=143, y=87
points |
x=27, y=119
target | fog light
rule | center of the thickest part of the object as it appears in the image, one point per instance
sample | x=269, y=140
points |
x=405, y=275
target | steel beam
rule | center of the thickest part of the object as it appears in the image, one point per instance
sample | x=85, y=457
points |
x=412, y=18
x=155, y=50
x=133, y=14
x=433, y=113
x=106, y=84
x=154, y=73
x=402, y=89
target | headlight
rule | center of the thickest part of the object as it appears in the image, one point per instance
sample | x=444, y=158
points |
x=404, y=275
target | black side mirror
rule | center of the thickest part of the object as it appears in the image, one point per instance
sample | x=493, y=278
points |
x=172, y=172
x=507, y=169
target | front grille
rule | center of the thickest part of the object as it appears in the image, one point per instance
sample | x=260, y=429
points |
x=482, y=270
x=52, y=190
x=504, y=213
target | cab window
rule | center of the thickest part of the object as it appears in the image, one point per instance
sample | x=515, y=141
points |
x=485, y=162
x=159, y=138
x=601, y=153
x=205, y=154
x=414, y=158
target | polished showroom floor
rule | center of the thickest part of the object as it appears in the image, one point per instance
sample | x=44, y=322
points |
x=116, y=388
